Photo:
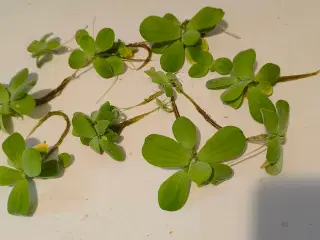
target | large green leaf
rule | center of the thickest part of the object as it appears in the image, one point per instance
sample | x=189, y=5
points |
x=9, y=176
x=221, y=83
x=95, y=145
x=270, y=120
x=159, y=48
x=234, y=92
x=275, y=169
x=185, y=132
x=101, y=126
x=205, y=19
x=221, y=173
x=103, y=67
x=24, y=106
x=223, y=66
x=174, y=192
x=4, y=95
x=31, y=162
x=113, y=150
x=258, y=100
x=19, y=199
x=204, y=58
x=274, y=150
x=283, y=109
x=13, y=147
x=200, y=172
x=198, y=71
x=105, y=39
x=87, y=44
x=226, y=144
x=116, y=64
x=172, y=18
x=50, y=169
x=162, y=151
x=172, y=59
x=269, y=73
x=155, y=29
x=77, y=59
x=191, y=37
x=236, y=103
x=18, y=80
x=243, y=64
x=82, y=126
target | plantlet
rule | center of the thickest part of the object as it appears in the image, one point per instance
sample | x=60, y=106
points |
x=29, y=164
x=175, y=40
x=203, y=167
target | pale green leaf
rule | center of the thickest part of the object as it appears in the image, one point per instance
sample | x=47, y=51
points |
x=220, y=173
x=234, y=92
x=270, y=120
x=116, y=64
x=283, y=109
x=204, y=58
x=193, y=52
x=221, y=83
x=236, y=103
x=200, y=172
x=65, y=159
x=198, y=71
x=31, y=162
x=82, y=126
x=77, y=59
x=95, y=145
x=243, y=64
x=9, y=176
x=269, y=72
x=103, y=67
x=185, y=132
x=24, y=106
x=223, y=66
x=275, y=169
x=13, y=147
x=191, y=37
x=18, y=80
x=105, y=39
x=172, y=18
x=265, y=87
x=50, y=169
x=87, y=44
x=6, y=109
x=168, y=90
x=158, y=77
x=274, y=150
x=172, y=59
x=113, y=150
x=101, y=126
x=81, y=33
x=21, y=91
x=4, y=95
x=53, y=44
x=19, y=199
x=33, y=46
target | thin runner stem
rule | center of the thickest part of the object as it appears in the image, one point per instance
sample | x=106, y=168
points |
x=146, y=100
x=144, y=46
x=297, y=77
x=174, y=107
x=248, y=156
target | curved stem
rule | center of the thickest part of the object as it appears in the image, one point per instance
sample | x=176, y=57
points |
x=64, y=133
x=175, y=107
x=258, y=139
x=247, y=156
x=144, y=46
x=146, y=100
x=297, y=77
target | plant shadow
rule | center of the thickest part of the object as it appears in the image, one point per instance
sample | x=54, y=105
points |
x=220, y=28
x=31, y=142
x=33, y=197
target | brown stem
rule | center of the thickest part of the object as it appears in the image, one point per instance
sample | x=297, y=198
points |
x=146, y=100
x=297, y=77
x=201, y=111
x=146, y=47
x=64, y=133
x=175, y=107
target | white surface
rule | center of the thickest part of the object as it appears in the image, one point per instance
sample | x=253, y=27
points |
x=99, y=198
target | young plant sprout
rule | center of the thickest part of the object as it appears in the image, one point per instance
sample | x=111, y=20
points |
x=203, y=167
x=175, y=40
x=29, y=164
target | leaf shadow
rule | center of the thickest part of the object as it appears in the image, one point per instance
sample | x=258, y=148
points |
x=44, y=59
x=33, y=197
x=33, y=76
x=220, y=28
x=8, y=123
x=40, y=111
x=198, y=142
x=31, y=142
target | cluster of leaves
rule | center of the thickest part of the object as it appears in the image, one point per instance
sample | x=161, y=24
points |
x=14, y=99
x=104, y=53
x=95, y=130
x=203, y=167
x=27, y=163
x=242, y=80
x=175, y=40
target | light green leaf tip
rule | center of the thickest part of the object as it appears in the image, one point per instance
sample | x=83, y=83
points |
x=31, y=162
x=185, y=132
x=200, y=172
x=19, y=199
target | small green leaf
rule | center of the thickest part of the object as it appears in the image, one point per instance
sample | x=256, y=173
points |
x=174, y=192
x=198, y=71
x=221, y=173
x=18, y=80
x=258, y=100
x=192, y=52
x=172, y=59
x=155, y=29
x=85, y=141
x=185, y=132
x=19, y=199
x=65, y=159
x=33, y=46
x=95, y=145
x=274, y=150
x=113, y=150
x=53, y=44
x=107, y=112
x=172, y=18
x=13, y=147
x=162, y=151
x=226, y=144
x=31, y=162
x=50, y=169
x=112, y=136
x=21, y=91
x=236, y=103
x=103, y=67
x=204, y=58
x=200, y=172
x=9, y=176
x=4, y=95
x=223, y=66
x=168, y=90
x=269, y=73
x=101, y=126
x=82, y=126
x=191, y=37
x=157, y=76
x=206, y=18
x=87, y=44
x=243, y=64
x=24, y=106
x=81, y=33
x=221, y=83
x=265, y=87
x=105, y=39
x=275, y=169
x=270, y=120
x=77, y=59
x=6, y=109
x=283, y=109
x=116, y=64
x=234, y=92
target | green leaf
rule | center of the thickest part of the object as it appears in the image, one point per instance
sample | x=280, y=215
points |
x=6, y=109
x=53, y=44
x=19, y=199
x=168, y=90
x=265, y=87
x=50, y=169
x=82, y=126
x=157, y=76
x=116, y=64
x=9, y=176
x=81, y=33
x=18, y=80
x=221, y=83
x=185, y=132
x=172, y=18
x=155, y=29
x=95, y=145
x=87, y=44
x=13, y=147
x=234, y=92
x=236, y=103
x=221, y=173
x=85, y=141
x=77, y=59
x=258, y=100
x=21, y=91
x=204, y=58
x=283, y=109
x=65, y=159
x=159, y=48
x=174, y=192
x=206, y=18
x=108, y=112
x=24, y=106
x=275, y=169
x=274, y=150
x=243, y=64
x=270, y=120
x=193, y=52
x=223, y=66
x=101, y=126
x=33, y=46
x=226, y=144
x=112, y=136
x=162, y=151
x=269, y=73
x=198, y=71
x=200, y=172
x=113, y=150
x=191, y=37
x=105, y=39
x=4, y=95
x=31, y=162
x=103, y=67
x=172, y=59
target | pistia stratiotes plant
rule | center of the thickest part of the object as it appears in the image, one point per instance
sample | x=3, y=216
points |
x=28, y=164
x=175, y=40
x=203, y=167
